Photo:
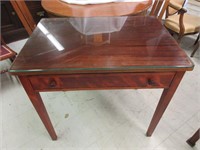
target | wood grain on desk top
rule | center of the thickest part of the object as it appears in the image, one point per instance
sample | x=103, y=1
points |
x=139, y=44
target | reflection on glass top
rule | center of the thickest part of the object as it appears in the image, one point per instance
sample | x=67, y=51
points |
x=101, y=43
x=90, y=26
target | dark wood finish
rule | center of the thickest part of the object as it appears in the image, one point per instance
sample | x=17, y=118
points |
x=24, y=15
x=126, y=60
x=39, y=105
x=127, y=50
x=18, y=18
x=164, y=101
x=194, y=138
x=59, y=8
x=11, y=27
x=101, y=81
x=36, y=10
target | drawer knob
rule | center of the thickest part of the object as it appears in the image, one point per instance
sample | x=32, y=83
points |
x=52, y=83
x=151, y=82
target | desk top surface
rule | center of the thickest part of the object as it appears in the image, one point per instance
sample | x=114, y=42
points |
x=101, y=44
x=60, y=8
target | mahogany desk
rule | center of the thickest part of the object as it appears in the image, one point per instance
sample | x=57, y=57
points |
x=59, y=8
x=132, y=52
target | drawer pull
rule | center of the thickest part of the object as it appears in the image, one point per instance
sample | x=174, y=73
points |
x=52, y=83
x=151, y=82
x=85, y=81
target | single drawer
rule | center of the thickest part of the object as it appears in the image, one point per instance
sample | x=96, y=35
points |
x=101, y=81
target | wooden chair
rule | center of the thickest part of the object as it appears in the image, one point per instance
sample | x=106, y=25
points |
x=192, y=140
x=180, y=22
x=172, y=11
x=24, y=15
x=158, y=9
x=6, y=53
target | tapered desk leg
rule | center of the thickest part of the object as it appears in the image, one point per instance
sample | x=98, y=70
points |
x=39, y=105
x=191, y=141
x=164, y=101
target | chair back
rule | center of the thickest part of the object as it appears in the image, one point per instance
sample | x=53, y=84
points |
x=6, y=53
x=24, y=15
x=172, y=11
x=159, y=7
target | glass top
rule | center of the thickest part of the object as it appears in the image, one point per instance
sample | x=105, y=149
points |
x=127, y=43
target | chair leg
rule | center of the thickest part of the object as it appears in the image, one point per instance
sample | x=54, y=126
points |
x=196, y=44
x=195, y=49
x=179, y=39
x=12, y=58
x=196, y=40
x=191, y=141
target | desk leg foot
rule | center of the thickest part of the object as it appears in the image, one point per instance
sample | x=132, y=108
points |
x=163, y=102
x=39, y=106
x=191, y=141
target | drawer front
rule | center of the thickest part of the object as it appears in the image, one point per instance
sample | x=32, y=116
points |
x=101, y=81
